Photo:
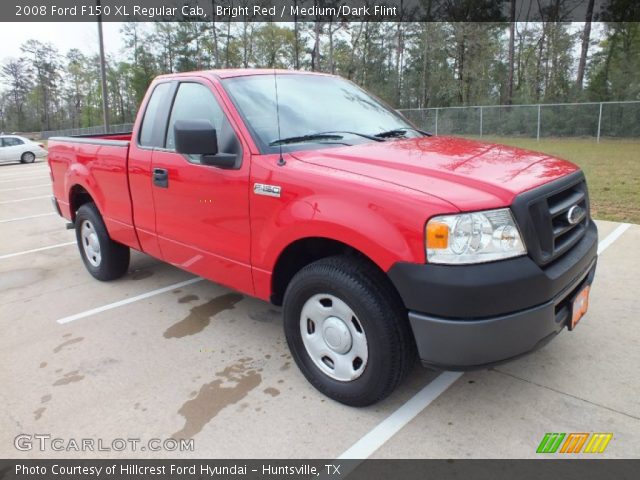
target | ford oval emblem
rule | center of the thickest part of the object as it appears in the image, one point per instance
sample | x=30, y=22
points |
x=575, y=214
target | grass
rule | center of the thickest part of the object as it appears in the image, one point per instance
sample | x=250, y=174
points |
x=612, y=168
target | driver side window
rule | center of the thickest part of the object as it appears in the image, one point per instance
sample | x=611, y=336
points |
x=193, y=101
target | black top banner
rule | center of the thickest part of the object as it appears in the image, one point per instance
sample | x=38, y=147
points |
x=318, y=10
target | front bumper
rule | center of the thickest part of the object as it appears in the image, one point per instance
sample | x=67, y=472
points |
x=472, y=316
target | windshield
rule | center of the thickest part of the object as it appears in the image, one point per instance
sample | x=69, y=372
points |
x=311, y=107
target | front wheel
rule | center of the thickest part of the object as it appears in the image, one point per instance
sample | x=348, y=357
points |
x=347, y=330
x=103, y=258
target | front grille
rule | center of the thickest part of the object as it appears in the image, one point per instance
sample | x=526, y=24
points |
x=565, y=235
x=542, y=215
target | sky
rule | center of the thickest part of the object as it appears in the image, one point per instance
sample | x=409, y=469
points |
x=64, y=35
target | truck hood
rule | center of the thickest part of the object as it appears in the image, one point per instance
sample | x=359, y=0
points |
x=468, y=174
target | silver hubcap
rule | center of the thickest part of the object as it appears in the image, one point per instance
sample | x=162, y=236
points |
x=333, y=337
x=90, y=243
x=29, y=157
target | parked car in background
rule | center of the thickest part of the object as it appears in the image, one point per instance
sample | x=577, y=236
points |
x=14, y=148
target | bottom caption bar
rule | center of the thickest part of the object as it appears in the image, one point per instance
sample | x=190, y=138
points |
x=584, y=469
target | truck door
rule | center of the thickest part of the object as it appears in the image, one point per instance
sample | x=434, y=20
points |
x=202, y=212
x=149, y=134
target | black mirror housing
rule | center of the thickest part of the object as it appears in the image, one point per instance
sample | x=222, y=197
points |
x=221, y=160
x=195, y=137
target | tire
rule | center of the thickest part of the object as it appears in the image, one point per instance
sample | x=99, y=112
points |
x=27, y=157
x=104, y=259
x=337, y=364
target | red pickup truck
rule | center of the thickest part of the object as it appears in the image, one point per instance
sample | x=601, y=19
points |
x=379, y=240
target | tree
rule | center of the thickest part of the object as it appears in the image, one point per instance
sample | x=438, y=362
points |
x=273, y=46
x=511, y=60
x=315, y=52
x=75, y=80
x=615, y=70
x=45, y=63
x=586, y=38
x=164, y=35
x=4, y=102
x=14, y=73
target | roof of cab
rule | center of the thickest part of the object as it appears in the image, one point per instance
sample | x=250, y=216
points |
x=240, y=72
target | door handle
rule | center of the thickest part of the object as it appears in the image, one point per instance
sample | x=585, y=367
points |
x=161, y=177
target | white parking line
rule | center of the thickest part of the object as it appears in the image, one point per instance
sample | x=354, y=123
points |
x=25, y=188
x=612, y=237
x=391, y=425
x=13, y=174
x=41, y=249
x=24, y=199
x=127, y=301
x=31, y=177
x=27, y=218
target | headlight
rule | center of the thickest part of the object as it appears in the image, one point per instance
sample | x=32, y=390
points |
x=473, y=237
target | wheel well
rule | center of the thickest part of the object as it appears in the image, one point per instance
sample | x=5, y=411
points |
x=300, y=254
x=78, y=197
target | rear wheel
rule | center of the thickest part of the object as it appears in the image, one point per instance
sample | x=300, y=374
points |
x=348, y=330
x=27, y=157
x=103, y=258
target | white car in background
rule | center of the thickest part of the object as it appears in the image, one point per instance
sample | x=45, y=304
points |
x=14, y=148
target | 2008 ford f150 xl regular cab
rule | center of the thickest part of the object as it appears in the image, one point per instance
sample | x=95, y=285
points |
x=379, y=240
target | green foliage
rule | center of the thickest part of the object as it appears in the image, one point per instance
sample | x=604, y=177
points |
x=615, y=69
x=273, y=46
x=409, y=65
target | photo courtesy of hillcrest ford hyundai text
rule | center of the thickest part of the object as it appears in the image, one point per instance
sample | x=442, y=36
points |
x=380, y=241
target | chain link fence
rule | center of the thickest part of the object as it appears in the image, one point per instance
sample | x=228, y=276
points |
x=97, y=130
x=597, y=120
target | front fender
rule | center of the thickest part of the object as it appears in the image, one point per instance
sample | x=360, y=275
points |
x=383, y=238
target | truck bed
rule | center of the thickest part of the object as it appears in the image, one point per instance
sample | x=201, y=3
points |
x=120, y=137
x=97, y=164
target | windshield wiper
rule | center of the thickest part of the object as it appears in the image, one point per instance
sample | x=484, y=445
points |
x=306, y=138
x=375, y=138
x=333, y=135
x=400, y=132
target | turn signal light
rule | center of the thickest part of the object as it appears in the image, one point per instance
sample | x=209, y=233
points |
x=580, y=306
x=437, y=235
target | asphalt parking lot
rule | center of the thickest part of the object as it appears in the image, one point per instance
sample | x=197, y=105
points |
x=159, y=354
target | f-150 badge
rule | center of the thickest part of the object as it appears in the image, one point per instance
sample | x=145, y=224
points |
x=268, y=190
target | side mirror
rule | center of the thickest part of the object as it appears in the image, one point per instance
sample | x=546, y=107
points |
x=220, y=160
x=195, y=137
x=198, y=137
